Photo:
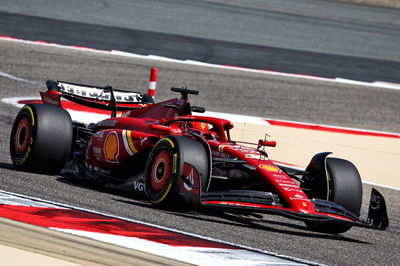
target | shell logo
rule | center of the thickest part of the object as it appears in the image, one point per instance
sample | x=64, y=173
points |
x=111, y=147
x=270, y=168
x=222, y=147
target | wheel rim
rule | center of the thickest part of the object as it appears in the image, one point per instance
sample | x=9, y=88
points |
x=160, y=171
x=22, y=136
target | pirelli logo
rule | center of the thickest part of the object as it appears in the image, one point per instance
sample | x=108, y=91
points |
x=174, y=162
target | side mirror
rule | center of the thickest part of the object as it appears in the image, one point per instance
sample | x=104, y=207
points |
x=268, y=143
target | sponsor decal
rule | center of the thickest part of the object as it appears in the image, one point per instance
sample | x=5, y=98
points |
x=190, y=179
x=235, y=147
x=174, y=162
x=142, y=140
x=293, y=189
x=280, y=181
x=48, y=100
x=288, y=185
x=220, y=154
x=270, y=168
x=280, y=176
x=98, y=93
x=303, y=201
x=176, y=130
x=107, y=123
x=284, y=179
x=111, y=147
x=253, y=155
x=138, y=186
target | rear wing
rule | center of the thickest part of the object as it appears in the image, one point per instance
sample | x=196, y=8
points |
x=95, y=93
x=104, y=98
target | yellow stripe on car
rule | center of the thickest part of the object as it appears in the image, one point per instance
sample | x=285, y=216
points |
x=130, y=142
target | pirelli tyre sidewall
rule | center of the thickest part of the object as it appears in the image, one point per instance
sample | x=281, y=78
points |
x=162, y=172
x=41, y=138
x=345, y=189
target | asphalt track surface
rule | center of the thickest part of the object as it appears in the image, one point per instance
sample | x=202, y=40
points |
x=244, y=93
x=270, y=233
x=322, y=38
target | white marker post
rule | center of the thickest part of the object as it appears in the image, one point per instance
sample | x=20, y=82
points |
x=152, y=82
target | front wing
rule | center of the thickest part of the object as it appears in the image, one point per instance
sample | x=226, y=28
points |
x=327, y=212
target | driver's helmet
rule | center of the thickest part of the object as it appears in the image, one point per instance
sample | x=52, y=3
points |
x=203, y=129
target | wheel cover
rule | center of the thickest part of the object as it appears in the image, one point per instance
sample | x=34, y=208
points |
x=161, y=171
x=22, y=136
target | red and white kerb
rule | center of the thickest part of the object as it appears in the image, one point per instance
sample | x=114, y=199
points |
x=152, y=82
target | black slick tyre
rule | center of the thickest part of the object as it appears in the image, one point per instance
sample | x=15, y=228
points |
x=165, y=171
x=41, y=139
x=161, y=173
x=345, y=189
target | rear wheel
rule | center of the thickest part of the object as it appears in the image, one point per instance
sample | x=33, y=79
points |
x=41, y=138
x=344, y=188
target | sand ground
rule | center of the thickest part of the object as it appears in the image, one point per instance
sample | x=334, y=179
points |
x=374, y=157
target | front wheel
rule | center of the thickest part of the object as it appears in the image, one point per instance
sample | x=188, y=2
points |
x=342, y=186
x=178, y=166
x=161, y=173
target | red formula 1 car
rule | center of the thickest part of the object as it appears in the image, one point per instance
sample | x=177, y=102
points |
x=164, y=151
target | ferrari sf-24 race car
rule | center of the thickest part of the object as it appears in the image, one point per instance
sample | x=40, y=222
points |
x=163, y=150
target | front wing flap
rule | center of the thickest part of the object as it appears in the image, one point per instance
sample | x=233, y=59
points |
x=327, y=212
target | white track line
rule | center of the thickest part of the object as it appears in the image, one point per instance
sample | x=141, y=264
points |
x=9, y=76
x=379, y=185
